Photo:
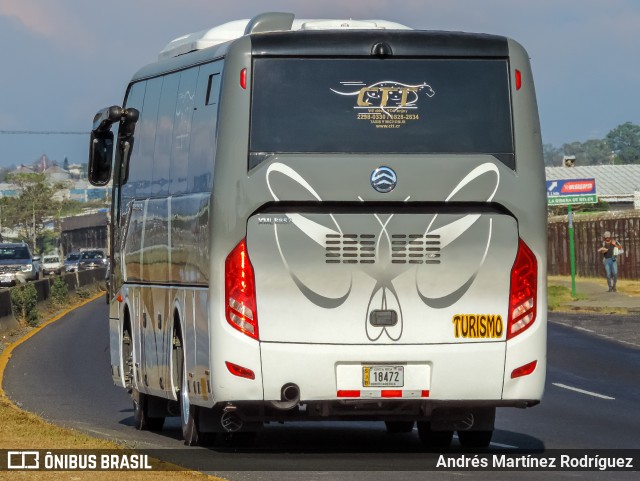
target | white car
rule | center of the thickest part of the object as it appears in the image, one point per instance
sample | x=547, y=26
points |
x=52, y=265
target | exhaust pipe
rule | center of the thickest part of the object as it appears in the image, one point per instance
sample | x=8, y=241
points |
x=289, y=397
x=230, y=420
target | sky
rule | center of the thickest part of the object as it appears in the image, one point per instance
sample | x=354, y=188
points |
x=63, y=60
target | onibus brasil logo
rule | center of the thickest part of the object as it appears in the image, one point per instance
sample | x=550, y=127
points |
x=387, y=96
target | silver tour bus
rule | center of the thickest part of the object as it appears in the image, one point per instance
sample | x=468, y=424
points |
x=327, y=220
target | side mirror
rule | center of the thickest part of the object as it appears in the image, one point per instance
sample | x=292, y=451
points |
x=101, y=145
x=100, y=157
x=125, y=142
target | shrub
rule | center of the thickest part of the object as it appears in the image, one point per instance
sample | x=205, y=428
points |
x=59, y=292
x=83, y=293
x=24, y=303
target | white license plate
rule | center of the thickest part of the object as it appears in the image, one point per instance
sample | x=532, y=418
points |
x=5, y=279
x=382, y=376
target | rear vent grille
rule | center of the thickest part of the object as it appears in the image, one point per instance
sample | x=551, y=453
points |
x=415, y=249
x=361, y=249
x=350, y=249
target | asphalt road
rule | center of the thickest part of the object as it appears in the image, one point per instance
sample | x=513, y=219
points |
x=592, y=400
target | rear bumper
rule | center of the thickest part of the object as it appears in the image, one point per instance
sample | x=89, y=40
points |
x=456, y=375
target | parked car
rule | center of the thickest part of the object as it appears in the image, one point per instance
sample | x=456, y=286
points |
x=72, y=261
x=17, y=265
x=92, y=259
x=52, y=265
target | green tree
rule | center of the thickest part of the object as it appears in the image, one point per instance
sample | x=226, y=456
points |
x=65, y=164
x=624, y=140
x=552, y=155
x=32, y=206
x=591, y=152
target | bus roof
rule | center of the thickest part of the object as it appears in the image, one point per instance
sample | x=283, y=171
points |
x=280, y=34
x=266, y=22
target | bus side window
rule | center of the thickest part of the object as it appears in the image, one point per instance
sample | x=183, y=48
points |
x=203, y=130
x=182, y=131
x=213, y=89
x=164, y=136
x=135, y=99
x=142, y=166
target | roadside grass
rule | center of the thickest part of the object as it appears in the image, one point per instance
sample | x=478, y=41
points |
x=24, y=430
x=558, y=296
x=626, y=286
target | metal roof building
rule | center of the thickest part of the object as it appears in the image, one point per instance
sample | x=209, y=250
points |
x=617, y=184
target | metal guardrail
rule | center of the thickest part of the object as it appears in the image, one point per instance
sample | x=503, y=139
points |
x=74, y=280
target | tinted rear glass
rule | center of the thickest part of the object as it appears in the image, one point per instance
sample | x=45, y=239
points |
x=386, y=106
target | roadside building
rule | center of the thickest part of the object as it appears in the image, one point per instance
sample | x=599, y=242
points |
x=618, y=185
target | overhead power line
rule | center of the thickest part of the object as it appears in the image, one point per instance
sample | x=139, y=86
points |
x=41, y=132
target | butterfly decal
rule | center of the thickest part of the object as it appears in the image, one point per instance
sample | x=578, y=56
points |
x=384, y=295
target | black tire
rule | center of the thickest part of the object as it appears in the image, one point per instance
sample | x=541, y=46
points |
x=475, y=439
x=188, y=412
x=397, y=427
x=244, y=439
x=143, y=421
x=434, y=440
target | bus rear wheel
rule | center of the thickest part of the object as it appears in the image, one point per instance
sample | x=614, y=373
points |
x=396, y=427
x=141, y=417
x=188, y=413
x=143, y=421
x=434, y=440
x=475, y=439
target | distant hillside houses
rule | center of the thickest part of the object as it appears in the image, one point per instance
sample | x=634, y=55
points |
x=618, y=185
x=75, y=180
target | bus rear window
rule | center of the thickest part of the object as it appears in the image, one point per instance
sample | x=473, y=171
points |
x=381, y=106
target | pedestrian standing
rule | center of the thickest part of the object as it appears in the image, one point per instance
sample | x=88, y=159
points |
x=610, y=249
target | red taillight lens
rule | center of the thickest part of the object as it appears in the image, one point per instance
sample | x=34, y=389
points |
x=523, y=290
x=240, y=371
x=524, y=370
x=243, y=78
x=240, y=291
x=518, y=79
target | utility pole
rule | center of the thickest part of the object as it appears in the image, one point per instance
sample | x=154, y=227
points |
x=33, y=211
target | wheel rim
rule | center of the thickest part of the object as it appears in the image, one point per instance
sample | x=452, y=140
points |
x=127, y=358
x=184, y=394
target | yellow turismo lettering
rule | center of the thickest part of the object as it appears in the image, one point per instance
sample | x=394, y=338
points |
x=478, y=326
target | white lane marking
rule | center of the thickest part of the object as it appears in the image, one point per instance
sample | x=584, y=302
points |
x=566, y=324
x=594, y=394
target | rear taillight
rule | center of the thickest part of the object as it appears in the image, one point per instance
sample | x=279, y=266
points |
x=523, y=290
x=240, y=291
x=243, y=78
x=518, y=80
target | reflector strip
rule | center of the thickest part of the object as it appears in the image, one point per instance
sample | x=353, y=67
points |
x=347, y=393
x=518, y=79
x=524, y=370
x=391, y=393
x=240, y=371
x=383, y=393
